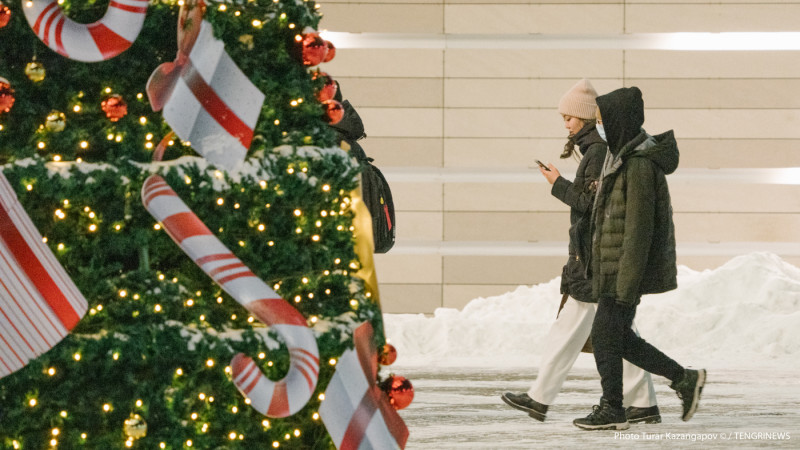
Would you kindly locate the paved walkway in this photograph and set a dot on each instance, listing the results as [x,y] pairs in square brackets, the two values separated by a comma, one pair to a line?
[461,409]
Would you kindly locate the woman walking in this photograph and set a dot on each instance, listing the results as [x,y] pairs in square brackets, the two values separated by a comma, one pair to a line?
[573,324]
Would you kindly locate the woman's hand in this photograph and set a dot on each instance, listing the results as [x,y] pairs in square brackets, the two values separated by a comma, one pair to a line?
[552,174]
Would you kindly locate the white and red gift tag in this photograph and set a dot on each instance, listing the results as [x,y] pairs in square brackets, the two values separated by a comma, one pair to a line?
[207,100]
[356,412]
[39,303]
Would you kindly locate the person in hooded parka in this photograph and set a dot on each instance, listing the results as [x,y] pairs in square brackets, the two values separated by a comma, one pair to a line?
[633,254]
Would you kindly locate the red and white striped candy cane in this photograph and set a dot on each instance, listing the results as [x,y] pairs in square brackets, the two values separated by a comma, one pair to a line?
[271,398]
[98,41]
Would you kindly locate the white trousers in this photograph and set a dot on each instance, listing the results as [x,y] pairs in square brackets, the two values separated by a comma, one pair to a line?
[563,344]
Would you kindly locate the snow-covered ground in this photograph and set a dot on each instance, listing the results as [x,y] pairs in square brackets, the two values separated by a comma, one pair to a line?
[740,321]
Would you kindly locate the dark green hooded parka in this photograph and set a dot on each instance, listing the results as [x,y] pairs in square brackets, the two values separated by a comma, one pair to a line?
[633,246]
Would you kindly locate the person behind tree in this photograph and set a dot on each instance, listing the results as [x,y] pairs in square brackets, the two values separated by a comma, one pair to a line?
[573,323]
[633,253]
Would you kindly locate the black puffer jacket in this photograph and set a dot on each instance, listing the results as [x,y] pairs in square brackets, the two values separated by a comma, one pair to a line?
[579,196]
[633,251]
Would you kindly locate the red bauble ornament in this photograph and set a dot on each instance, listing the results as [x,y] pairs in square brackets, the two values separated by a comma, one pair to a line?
[328,90]
[314,49]
[5,15]
[6,96]
[388,355]
[399,390]
[115,107]
[334,111]
[331,52]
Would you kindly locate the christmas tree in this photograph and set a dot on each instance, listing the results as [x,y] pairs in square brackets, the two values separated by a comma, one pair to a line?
[149,364]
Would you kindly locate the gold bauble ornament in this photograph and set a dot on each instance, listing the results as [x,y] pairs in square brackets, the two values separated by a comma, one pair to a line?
[56,121]
[35,71]
[135,427]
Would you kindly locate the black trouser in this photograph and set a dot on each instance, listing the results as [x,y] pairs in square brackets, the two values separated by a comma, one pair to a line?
[614,340]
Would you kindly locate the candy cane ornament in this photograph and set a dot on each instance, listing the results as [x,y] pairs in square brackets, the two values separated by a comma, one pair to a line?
[272,398]
[98,41]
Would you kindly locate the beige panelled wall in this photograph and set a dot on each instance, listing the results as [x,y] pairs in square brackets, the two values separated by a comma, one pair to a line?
[456,128]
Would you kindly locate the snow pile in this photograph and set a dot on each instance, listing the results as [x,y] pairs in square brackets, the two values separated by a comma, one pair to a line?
[744,314]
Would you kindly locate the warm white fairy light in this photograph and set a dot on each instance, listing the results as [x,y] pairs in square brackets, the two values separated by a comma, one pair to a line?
[210,363]
[315,416]
[157,308]
[157,226]
[29,187]
[143,120]
[123,293]
[194,416]
[76,108]
[118,138]
[60,214]
[110,136]
[76,356]
[107,407]
[332,361]
[51,371]
[220,201]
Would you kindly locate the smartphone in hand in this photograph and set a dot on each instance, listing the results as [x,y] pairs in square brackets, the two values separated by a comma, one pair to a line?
[541,164]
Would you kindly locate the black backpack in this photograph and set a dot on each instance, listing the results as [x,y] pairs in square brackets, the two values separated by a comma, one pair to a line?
[375,190]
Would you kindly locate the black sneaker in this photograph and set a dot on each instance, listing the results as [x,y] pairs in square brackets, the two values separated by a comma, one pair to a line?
[524,403]
[603,417]
[643,415]
[689,389]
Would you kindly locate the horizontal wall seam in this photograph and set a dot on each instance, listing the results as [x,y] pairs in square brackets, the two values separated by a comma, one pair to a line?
[555,248]
[679,41]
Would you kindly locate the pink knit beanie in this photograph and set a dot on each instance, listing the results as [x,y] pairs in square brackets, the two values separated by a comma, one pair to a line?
[579,101]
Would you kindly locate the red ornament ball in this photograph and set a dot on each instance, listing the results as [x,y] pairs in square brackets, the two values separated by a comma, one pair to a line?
[5,15]
[331,52]
[314,49]
[115,107]
[328,90]
[399,390]
[388,355]
[6,96]
[334,111]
